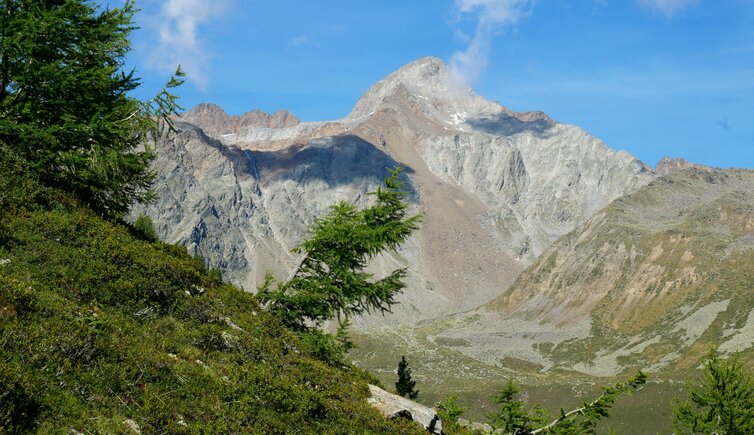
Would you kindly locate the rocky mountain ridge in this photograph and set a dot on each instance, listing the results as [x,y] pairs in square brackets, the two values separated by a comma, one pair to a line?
[497,187]
[213,120]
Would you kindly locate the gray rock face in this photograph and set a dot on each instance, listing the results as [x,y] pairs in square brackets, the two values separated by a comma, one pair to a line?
[496,187]
[394,406]
[536,186]
[244,211]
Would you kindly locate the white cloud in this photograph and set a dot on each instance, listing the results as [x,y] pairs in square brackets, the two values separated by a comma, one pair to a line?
[667,7]
[490,15]
[299,41]
[179,41]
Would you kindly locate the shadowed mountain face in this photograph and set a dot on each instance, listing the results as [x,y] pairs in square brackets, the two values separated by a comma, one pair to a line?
[649,282]
[496,187]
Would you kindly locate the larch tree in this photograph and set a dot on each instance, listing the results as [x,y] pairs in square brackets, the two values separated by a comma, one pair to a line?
[65,100]
[721,402]
[330,282]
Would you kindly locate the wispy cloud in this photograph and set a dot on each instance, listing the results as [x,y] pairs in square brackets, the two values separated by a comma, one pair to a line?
[490,16]
[299,41]
[667,7]
[179,40]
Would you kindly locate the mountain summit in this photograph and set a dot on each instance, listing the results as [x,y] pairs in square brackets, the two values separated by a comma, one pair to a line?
[497,187]
[428,79]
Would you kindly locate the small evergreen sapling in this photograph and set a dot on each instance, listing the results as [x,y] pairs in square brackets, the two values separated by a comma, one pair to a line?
[722,403]
[449,410]
[405,386]
[511,415]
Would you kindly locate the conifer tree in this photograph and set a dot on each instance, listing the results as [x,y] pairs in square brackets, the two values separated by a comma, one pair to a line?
[330,281]
[722,403]
[65,104]
[405,386]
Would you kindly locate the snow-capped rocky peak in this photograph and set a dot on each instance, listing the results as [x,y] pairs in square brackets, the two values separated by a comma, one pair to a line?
[430,82]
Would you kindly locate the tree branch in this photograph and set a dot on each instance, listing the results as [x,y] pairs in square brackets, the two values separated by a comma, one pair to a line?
[568,414]
[298,268]
[300,265]
[610,394]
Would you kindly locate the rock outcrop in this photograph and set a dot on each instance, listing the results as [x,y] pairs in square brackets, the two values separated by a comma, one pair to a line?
[668,165]
[496,187]
[394,406]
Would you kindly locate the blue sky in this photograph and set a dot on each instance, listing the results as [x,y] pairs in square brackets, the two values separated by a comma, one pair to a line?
[653,77]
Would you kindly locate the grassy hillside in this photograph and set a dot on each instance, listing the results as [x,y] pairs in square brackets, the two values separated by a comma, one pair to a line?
[101,329]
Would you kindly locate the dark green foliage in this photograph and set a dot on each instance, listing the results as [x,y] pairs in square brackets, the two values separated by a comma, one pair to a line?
[17,187]
[722,402]
[215,274]
[144,227]
[331,282]
[17,409]
[97,326]
[64,103]
[449,410]
[330,348]
[405,386]
[513,417]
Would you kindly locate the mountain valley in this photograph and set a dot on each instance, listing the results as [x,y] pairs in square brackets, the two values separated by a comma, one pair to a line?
[544,255]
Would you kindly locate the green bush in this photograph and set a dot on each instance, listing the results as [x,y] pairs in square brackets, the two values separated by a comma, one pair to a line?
[144,227]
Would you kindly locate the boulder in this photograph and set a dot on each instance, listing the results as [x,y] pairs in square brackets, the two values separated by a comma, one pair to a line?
[394,406]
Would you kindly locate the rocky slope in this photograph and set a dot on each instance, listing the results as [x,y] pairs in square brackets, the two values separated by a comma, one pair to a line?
[649,282]
[497,187]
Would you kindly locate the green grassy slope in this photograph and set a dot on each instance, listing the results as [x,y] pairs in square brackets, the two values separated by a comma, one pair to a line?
[98,326]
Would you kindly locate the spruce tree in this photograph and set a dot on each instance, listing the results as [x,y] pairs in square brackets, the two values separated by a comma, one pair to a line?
[65,104]
[405,386]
